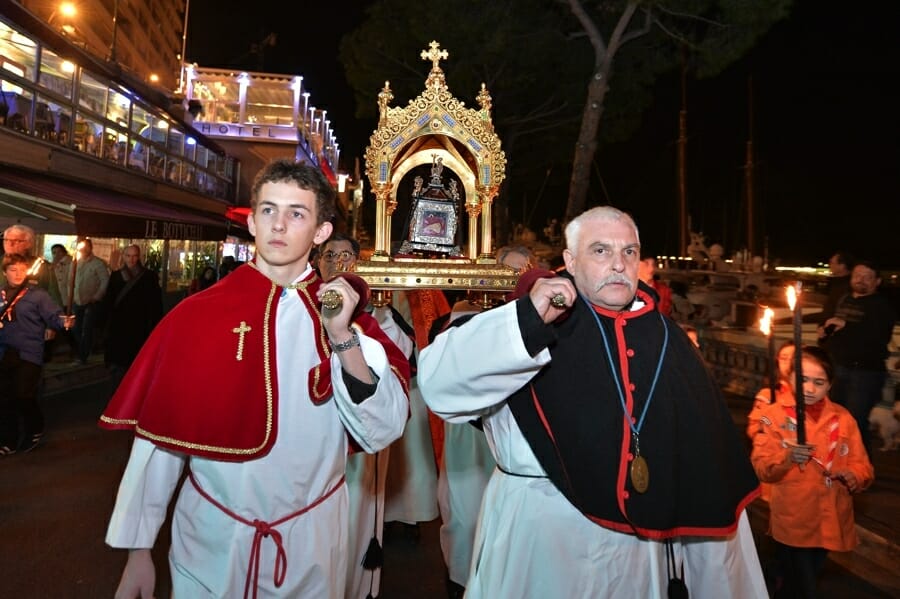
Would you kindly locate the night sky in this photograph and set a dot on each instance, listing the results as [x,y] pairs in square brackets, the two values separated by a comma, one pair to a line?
[827,130]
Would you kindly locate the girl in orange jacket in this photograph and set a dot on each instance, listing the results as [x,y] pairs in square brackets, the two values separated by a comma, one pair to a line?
[783,392]
[811,507]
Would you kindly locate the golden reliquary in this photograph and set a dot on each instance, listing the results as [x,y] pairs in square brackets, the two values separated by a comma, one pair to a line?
[437,166]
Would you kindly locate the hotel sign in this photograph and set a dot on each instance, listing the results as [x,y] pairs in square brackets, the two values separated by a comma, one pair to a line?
[244,131]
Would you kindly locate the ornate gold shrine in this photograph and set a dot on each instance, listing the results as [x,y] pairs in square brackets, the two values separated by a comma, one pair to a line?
[436,128]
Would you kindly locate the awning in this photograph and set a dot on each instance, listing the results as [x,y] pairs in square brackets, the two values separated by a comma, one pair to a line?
[238,214]
[96,212]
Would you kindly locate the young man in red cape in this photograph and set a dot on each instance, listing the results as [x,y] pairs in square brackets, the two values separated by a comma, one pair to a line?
[260,395]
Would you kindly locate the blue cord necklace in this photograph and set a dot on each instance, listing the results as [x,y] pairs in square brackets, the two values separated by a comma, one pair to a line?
[639,471]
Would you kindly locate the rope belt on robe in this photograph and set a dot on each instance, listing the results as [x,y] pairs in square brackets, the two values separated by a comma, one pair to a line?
[264,529]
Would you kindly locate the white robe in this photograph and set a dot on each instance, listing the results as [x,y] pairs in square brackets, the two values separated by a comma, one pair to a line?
[462,477]
[210,550]
[411,492]
[464,474]
[530,541]
[365,486]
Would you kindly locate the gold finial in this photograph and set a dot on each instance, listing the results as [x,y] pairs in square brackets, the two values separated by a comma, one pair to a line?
[434,55]
[384,98]
[484,100]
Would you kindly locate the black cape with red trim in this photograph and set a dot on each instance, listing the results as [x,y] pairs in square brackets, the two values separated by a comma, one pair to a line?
[571,415]
[187,391]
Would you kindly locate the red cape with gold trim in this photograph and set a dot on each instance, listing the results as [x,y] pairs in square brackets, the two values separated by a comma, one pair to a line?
[196,389]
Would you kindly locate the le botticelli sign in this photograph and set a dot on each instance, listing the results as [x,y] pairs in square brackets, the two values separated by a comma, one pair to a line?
[104,224]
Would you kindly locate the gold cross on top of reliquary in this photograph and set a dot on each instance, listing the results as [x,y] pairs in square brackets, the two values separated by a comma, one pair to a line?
[434,55]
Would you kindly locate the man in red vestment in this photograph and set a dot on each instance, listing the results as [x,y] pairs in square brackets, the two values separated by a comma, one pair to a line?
[647,273]
[257,392]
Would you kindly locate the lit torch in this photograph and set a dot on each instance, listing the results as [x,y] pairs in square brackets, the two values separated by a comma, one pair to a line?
[35,267]
[793,298]
[766,326]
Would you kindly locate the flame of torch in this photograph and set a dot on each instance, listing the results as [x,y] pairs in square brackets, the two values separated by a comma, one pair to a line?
[765,323]
[791,297]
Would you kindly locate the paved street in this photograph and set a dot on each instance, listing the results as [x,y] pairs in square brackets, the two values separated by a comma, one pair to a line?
[55,502]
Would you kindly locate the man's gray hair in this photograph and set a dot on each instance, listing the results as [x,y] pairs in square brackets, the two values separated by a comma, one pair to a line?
[601,213]
[28,231]
[506,250]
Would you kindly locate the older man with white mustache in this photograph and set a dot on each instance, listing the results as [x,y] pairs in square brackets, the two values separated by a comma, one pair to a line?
[619,470]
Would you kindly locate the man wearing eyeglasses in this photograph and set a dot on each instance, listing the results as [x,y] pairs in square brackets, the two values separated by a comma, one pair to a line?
[366,473]
[409,494]
[19,239]
[341,255]
[406,491]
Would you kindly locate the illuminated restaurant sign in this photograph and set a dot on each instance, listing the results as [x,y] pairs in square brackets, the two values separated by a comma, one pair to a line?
[194,227]
[160,229]
[260,132]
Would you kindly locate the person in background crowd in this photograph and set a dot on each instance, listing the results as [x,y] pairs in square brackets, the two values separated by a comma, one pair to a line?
[811,503]
[682,308]
[91,280]
[229,263]
[26,311]
[647,274]
[206,279]
[784,367]
[784,393]
[517,257]
[133,306]
[841,265]
[411,487]
[315,256]
[62,270]
[366,473]
[258,394]
[20,239]
[692,333]
[613,443]
[857,338]
[467,463]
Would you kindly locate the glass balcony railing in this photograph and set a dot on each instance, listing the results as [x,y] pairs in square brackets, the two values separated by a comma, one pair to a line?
[47,97]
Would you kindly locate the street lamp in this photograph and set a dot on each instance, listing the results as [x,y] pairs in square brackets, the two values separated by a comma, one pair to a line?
[66,11]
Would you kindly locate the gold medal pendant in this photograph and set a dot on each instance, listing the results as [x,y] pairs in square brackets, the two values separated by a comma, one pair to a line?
[640,474]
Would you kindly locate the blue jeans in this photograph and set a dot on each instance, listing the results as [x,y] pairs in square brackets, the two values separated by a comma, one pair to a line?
[859,391]
[83,331]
